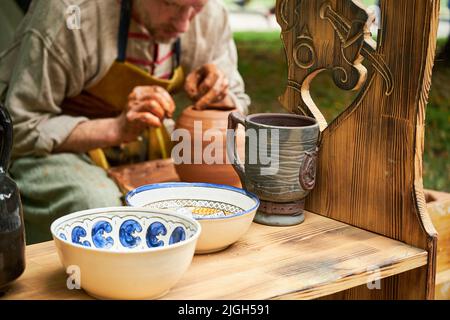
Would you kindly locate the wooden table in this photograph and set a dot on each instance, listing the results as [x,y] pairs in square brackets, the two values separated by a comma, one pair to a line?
[312,260]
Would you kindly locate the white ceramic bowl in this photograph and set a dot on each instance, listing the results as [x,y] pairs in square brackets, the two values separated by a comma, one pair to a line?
[126,253]
[225,213]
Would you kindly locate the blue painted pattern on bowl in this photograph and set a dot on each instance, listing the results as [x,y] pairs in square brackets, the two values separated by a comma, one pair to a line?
[225,213]
[125,231]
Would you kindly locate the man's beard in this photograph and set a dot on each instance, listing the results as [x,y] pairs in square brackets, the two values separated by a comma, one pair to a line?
[155,32]
[158,38]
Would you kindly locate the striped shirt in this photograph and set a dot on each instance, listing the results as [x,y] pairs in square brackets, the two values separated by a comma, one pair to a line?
[155,58]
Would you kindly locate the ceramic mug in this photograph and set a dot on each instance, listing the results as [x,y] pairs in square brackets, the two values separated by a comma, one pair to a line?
[280,163]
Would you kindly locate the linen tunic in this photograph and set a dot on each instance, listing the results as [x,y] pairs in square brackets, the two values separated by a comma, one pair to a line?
[48,62]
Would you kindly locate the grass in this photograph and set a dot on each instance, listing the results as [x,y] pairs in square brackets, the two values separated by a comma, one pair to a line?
[262,65]
[437,134]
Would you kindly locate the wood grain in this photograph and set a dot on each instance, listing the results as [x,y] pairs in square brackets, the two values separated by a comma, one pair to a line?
[387,288]
[438,204]
[370,163]
[315,259]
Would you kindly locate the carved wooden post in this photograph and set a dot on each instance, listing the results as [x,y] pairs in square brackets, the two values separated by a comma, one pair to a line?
[370,166]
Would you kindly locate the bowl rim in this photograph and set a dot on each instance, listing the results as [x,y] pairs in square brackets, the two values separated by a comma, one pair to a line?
[167,185]
[99,211]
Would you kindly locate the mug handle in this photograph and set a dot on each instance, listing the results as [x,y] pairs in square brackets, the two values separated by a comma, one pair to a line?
[234,119]
[7,138]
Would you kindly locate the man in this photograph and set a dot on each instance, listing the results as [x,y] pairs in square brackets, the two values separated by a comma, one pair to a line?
[56,80]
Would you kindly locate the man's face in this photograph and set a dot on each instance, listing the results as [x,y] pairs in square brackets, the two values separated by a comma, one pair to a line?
[167,19]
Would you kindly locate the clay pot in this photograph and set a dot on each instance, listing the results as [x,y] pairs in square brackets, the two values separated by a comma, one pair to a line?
[207,161]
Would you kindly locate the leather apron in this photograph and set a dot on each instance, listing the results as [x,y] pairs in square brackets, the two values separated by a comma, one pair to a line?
[109,97]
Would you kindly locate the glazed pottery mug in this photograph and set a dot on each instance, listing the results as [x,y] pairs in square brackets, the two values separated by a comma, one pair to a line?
[280,163]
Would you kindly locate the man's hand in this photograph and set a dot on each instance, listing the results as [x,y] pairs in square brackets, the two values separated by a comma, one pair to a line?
[147,106]
[208,87]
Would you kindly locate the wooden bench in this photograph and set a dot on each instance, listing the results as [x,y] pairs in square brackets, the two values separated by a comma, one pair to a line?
[367,233]
[370,161]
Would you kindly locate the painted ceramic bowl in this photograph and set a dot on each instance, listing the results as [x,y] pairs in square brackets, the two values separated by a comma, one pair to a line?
[126,253]
[225,213]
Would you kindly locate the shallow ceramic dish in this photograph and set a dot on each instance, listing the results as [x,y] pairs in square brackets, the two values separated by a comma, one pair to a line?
[126,253]
[225,213]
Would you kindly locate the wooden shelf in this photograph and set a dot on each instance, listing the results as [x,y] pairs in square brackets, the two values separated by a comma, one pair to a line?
[315,259]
